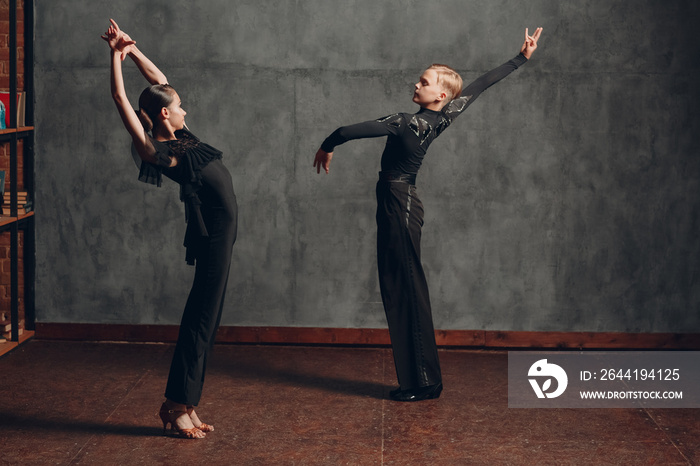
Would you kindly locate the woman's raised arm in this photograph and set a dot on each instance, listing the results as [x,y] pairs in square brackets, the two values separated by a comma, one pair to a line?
[120,46]
[148,69]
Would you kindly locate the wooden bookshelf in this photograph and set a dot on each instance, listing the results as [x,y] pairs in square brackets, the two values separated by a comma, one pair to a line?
[10,345]
[17,240]
[20,130]
[6,220]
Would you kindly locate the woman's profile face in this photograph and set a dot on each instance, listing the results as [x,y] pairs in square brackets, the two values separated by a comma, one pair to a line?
[176,114]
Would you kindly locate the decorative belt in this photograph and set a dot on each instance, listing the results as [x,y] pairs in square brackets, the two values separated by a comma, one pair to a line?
[398,177]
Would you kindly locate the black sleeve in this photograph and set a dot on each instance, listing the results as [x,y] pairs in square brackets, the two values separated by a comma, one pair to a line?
[389,125]
[153,173]
[483,82]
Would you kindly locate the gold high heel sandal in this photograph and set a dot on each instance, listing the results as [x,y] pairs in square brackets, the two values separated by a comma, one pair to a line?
[168,416]
[202,426]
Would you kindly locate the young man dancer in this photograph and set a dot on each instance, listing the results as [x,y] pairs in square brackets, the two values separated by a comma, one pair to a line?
[400,213]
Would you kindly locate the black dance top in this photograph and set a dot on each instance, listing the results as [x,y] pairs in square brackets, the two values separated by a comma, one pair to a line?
[409,135]
[192,156]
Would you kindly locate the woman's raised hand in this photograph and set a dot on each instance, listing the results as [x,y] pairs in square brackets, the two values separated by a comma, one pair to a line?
[530,43]
[118,40]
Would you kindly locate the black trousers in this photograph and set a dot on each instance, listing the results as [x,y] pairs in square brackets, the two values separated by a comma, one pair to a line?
[202,314]
[403,285]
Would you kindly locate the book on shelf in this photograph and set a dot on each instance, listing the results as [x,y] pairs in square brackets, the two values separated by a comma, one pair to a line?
[24,204]
[21,209]
[22,196]
[6,328]
[20,109]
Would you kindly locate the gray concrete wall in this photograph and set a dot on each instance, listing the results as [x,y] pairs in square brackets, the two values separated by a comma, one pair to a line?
[566,199]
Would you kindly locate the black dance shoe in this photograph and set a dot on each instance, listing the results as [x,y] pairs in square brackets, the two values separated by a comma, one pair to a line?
[417,394]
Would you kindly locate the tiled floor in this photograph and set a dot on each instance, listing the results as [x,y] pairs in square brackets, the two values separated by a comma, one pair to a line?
[96,403]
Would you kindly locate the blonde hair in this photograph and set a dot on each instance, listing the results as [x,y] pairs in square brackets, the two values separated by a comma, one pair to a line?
[449,79]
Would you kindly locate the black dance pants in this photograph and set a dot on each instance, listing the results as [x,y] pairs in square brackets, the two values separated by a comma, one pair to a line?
[202,314]
[403,285]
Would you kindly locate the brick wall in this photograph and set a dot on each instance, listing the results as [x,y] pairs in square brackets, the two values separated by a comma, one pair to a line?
[5,165]
[5,44]
[5,294]
[5,81]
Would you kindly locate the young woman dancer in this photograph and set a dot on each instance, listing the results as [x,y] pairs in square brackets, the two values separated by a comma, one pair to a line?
[211,211]
[400,213]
